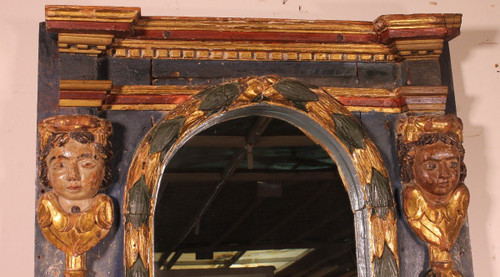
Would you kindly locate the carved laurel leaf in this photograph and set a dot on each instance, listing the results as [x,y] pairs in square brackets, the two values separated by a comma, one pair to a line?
[165,134]
[138,205]
[138,269]
[349,131]
[218,97]
[379,194]
[295,91]
[386,265]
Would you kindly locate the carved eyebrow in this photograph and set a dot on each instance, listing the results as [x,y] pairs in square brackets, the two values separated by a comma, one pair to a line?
[452,158]
[57,157]
[86,155]
[431,158]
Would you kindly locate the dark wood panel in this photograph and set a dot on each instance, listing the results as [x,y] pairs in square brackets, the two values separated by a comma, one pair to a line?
[233,69]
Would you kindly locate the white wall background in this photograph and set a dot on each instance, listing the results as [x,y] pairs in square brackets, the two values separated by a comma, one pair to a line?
[476,66]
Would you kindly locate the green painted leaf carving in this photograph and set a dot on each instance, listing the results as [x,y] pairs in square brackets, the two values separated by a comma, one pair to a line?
[301,106]
[138,203]
[349,131]
[138,269]
[295,91]
[386,265]
[218,97]
[379,194]
[165,134]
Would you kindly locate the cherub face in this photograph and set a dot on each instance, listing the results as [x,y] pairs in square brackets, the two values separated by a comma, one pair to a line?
[437,168]
[75,170]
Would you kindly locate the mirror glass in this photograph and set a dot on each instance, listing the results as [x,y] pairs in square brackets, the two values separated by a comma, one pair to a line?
[253,196]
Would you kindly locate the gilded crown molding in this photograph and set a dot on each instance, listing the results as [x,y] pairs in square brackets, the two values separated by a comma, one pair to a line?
[388,38]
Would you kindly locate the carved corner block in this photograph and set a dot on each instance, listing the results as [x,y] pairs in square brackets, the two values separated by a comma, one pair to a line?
[435,199]
[75,155]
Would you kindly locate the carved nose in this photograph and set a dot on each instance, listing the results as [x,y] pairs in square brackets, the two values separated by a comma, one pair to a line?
[443,171]
[73,172]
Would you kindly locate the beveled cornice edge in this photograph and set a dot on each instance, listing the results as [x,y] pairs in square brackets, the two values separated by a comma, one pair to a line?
[417,36]
[118,21]
[92,13]
[415,26]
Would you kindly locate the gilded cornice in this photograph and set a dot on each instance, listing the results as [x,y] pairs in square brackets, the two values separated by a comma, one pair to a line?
[388,38]
[254,25]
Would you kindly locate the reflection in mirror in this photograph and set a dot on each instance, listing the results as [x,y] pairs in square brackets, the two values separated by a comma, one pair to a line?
[253,197]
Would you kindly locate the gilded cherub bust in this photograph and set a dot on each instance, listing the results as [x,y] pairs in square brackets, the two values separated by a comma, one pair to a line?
[75,155]
[435,199]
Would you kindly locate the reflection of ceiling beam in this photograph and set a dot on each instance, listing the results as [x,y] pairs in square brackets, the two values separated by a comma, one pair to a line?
[173,260]
[240,141]
[252,137]
[315,260]
[288,176]
[326,220]
[320,192]
[262,161]
[281,223]
[264,190]
[351,273]
[264,246]
[324,271]
[321,262]
[260,271]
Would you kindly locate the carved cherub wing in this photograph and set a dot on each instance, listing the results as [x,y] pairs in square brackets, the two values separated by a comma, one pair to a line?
[44,215]
[104,214]
[412,204]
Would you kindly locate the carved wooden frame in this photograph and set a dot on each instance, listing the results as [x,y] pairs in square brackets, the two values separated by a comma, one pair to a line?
[323,113]
[316,113]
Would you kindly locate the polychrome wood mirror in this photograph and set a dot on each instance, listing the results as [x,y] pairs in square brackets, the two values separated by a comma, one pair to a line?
[176,146]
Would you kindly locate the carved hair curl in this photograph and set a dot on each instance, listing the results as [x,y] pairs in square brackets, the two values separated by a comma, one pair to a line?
[60,139]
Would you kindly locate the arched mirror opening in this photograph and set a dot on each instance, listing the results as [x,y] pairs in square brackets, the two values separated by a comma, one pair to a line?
[253,196]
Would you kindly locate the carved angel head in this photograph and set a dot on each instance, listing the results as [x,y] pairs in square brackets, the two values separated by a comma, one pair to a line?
[75,155]
[433,156]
